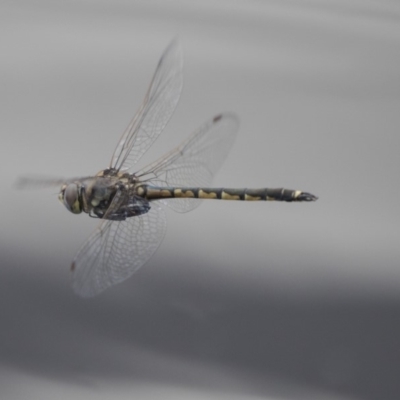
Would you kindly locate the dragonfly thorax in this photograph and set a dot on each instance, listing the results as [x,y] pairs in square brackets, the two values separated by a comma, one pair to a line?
[71,196]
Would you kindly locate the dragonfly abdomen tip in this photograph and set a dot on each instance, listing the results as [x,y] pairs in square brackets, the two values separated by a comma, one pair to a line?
[304,196]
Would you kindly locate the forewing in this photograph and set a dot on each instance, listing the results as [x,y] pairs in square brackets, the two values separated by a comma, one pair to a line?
[156,110]
[195,162]
[43,182]
[116,250]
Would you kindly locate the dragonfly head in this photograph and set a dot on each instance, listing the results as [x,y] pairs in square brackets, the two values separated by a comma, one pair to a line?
[71,196]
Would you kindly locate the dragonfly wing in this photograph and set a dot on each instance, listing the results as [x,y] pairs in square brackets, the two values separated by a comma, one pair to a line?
[117,249]
[195,162]
[43,182]
[156,110]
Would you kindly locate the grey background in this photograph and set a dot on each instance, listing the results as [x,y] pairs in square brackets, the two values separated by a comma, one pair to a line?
[241,300]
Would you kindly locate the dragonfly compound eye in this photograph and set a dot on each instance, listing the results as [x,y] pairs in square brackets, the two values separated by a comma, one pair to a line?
[71,198]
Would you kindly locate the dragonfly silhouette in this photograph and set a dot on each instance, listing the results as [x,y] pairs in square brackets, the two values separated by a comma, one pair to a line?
[129,205]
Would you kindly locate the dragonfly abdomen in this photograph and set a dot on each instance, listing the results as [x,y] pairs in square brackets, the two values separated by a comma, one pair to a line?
[265,194]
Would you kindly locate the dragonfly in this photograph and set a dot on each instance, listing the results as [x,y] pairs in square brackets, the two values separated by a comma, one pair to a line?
[130,205]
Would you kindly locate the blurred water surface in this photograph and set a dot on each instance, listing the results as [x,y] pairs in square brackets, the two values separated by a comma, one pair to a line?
[241,300]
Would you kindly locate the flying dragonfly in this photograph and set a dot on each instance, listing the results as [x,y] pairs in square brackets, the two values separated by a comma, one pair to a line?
[129,204]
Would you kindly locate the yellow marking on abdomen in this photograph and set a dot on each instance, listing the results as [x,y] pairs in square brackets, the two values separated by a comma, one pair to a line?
[297,193]
[180,193]
[247,197]
[153,193]
[227,196]
[140,191]
[205,195]
[165,193]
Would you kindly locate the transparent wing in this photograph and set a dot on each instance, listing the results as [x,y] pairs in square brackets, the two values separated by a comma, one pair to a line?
[156,110]
[195,162]
[117,249]
[42,182]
